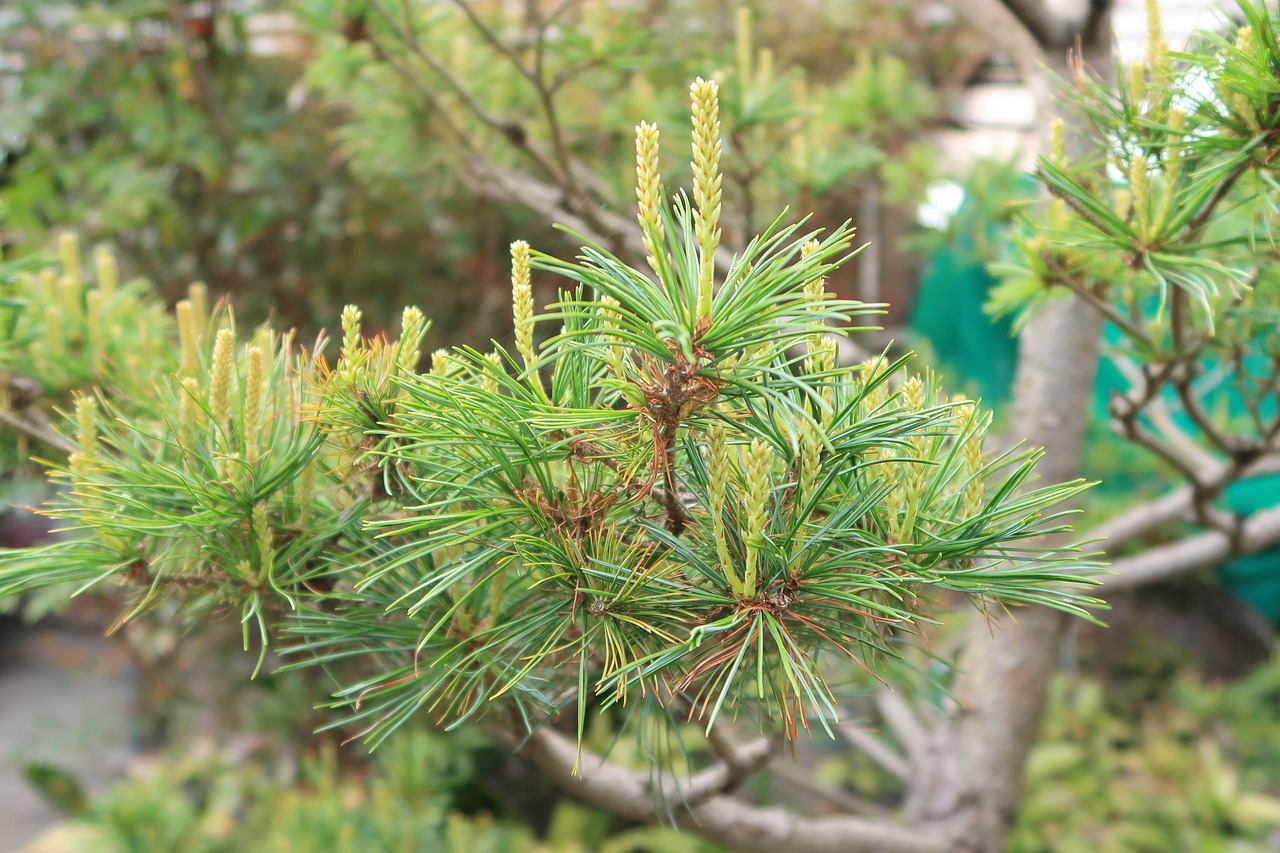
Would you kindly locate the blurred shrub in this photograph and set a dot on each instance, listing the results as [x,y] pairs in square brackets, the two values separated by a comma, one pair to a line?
[1158,767]
[297,154]
[408,800]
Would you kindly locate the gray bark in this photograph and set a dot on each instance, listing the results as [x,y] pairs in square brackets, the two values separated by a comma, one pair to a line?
[977,764]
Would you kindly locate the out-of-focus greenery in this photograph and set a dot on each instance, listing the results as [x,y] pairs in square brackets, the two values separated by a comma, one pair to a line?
[287,152]
[1154,764]
[412,798]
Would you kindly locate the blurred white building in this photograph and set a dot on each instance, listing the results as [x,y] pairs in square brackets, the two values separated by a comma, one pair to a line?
[995,118]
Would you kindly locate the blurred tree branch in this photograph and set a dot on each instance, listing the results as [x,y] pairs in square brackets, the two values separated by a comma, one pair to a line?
[721,818]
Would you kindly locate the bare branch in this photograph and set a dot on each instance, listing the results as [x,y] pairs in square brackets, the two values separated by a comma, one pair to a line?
[1144,519]
[35,431]
[1202,551]
[1009,31]
[899,716]
[722,819]
[1033,15]
[803,780]
[878,751]
[535,77]
[1161,418]
[720,777]
[741,761]
[202,78]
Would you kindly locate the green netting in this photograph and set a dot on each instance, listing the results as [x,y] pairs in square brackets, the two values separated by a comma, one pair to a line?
[978,355]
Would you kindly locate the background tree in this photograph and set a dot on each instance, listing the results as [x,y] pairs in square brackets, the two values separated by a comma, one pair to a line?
[1175,277]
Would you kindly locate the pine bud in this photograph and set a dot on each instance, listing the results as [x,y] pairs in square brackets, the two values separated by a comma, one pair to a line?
[69,298]
[913,394]
[1059,214]
[1123,203]
[86,426]
[69,254]
[718,468]
[413,327]
[810,461]
[522,301]
[974,488]
[254,390]
[744,49]
[1173,152]
[874,398]
[1139,186]
[758,462]
[48,287]
[1155,33]
[1243,107]
[351,317]
[915,475]
[649,191]
[609,321]
[1137,84]
[1057,145]
[189,361]
[105,271]
[822,362]
[190,413]
[55,341]
[440,363]
[706,184]
[306,491]
[265,542]
[814,289]
[490,381]
[220,377]
[198,293]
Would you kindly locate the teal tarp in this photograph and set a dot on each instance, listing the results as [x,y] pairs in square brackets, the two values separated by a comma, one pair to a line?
[979,355]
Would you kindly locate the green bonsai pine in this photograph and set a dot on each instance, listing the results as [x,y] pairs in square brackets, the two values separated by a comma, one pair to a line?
[669,498]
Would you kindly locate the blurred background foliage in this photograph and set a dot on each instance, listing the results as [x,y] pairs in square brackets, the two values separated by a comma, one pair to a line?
[301,154]
[296,154]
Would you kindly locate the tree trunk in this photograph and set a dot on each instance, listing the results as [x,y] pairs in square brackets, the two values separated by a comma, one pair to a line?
[1009,660]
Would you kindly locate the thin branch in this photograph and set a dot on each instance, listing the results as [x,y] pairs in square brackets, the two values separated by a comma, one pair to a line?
[905,723]
[1162,420]
[1197,223]
[1202,551]
[1137,434]
[1191,405]
[1012,33]
[724,820]
[202,77]
[427,94]
[878,751]
[1144,519]
[35,432]
[802,780]
[545,99]
[741,761]
[510,130]
[509,186]
[1033,15]
[1103,307]
[721,777]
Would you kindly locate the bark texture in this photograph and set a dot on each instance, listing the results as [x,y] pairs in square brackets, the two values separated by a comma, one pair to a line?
[1009,661]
